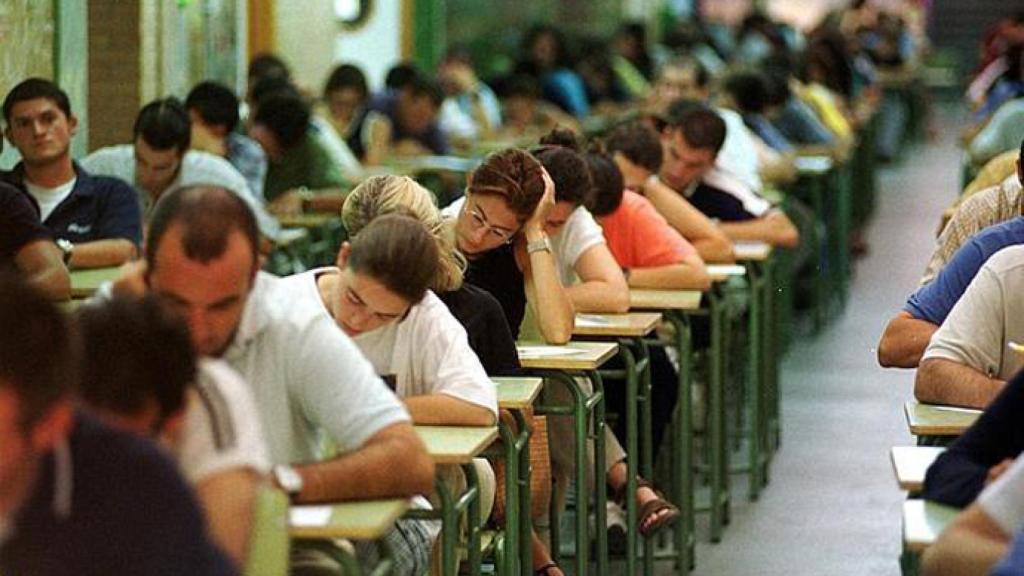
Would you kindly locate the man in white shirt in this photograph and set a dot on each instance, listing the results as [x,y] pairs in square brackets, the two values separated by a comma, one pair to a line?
[95,220]
[159,160]
[308,378]
[967,361]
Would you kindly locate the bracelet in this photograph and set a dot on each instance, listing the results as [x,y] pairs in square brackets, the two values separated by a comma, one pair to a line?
[539,245]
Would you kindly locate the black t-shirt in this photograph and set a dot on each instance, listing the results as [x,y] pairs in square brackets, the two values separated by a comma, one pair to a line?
[484,321]
[719,204]
[19,224]
[498,274]
[129,512]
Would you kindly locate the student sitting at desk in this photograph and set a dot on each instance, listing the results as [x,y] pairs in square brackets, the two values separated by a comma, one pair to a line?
[968,362]
[637,152]
[76,496]
[908,333]
[159,160]
[652,255]
[94,219]
[379,296]
[310,381]
[302,172]
[477,311]
[402,123]
[139,374]
[691,142]
[501,227]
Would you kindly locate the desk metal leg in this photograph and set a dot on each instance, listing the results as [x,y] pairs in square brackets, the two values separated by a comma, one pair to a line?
[510,440]
[716,419]
[473,520]
[756,384]
[581,408]
[682,469]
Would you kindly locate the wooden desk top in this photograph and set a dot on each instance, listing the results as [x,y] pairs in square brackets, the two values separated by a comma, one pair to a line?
[629,325]
[366,520]
[722,272]
[571,356]
[910,463]
[456,444]
[931,420]
[923,521]
[664,299]
[84,283]
[752,250]
[517,393]
[433,163]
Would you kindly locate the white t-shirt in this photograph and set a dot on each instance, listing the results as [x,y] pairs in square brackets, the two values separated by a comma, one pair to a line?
[1003,499]
[308,377]
[50,198]
[196,168]
[738,156]
[579,234]
[222,426]
[427,352]
[986,318]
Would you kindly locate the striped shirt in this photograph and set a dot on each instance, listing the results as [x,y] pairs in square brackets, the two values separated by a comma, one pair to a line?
[983,209]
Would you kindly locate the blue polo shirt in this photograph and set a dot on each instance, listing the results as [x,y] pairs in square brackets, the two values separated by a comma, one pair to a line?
[98,208]
[107,502]
[934,300]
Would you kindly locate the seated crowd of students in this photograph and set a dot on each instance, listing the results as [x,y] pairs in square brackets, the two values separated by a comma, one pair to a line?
[312,383]
[960,328]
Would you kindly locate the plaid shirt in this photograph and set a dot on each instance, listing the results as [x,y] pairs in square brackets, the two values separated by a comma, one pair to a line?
[246,155]
[981,210]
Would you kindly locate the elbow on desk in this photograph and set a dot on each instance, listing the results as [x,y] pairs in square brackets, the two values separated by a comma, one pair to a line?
[927,386]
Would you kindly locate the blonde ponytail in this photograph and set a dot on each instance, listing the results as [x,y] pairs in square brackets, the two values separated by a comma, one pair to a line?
[379,195]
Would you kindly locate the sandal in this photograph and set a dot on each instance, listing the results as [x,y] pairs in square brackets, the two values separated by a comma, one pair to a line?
[651,509]
[545,570]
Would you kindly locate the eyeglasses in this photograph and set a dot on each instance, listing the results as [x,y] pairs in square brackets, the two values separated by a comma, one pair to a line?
[479,221]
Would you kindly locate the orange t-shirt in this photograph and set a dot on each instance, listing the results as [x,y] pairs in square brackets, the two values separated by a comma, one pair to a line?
[639,237]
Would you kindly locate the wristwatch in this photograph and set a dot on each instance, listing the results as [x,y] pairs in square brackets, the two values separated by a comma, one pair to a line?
[288,479]
[66,248]
[539,245]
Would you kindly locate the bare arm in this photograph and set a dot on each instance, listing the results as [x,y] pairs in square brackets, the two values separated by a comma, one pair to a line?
[551,303]
[904,341]
[101,253]
[369,472]
[43,266]
[445,410]
[379,143]
[687,275]
[774,228]
[228,499]
[602,288]
[942,381]
[972,544]
[710,241]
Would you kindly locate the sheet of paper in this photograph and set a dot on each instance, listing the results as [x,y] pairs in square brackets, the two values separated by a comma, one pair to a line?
[309,516]
[592,320]
[958,409]
[546,351]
